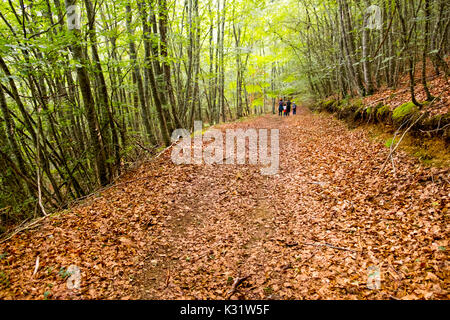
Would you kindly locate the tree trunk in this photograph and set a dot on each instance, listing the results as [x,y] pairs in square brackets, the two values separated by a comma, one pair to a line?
[88,100]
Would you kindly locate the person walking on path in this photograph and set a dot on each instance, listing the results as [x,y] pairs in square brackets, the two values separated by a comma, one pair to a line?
[280,107]
[288,107]
[294,108]
[284,109]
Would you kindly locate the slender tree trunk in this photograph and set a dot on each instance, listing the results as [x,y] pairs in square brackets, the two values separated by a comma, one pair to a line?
[166,64]
[102,88]
[88,100]
[425,49]
[151,75]
[366,56]
[145,115]
[409,53]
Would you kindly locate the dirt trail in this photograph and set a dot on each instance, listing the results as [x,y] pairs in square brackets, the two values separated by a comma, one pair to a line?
[310,232]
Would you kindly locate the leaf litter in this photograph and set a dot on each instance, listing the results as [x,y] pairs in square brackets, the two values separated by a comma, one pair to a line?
[313,231]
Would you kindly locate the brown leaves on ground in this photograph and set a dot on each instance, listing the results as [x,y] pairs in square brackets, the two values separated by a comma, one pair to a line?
[225,231]
[438,86]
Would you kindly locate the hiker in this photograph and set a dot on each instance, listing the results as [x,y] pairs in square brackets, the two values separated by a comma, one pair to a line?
[288,107]
[294,108]
[284,109]
[280,107]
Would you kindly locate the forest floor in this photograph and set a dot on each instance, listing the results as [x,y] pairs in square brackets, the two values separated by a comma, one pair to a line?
[316,230]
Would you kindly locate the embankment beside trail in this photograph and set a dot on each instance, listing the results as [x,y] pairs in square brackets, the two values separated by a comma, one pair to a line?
[428,134]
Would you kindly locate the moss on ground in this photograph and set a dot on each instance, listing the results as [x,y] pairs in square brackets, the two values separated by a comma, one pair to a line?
[429,151]
[406,109]
[383,110]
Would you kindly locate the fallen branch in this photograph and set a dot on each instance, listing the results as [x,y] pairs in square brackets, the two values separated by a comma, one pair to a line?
[435,130]
[25,227]
[157,156]
[114,184]
[236,283]
[145,148]
[330,246]
[393,149]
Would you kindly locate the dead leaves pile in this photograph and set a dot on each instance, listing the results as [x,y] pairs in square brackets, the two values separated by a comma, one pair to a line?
[193,232]
[438,86]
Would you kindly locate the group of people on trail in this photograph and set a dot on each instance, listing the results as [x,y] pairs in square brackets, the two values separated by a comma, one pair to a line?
[284,108]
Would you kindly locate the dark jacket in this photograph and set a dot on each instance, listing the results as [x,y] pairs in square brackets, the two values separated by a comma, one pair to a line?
[280,106]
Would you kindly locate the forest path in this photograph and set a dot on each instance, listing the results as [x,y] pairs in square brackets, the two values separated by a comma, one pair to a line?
[312,231]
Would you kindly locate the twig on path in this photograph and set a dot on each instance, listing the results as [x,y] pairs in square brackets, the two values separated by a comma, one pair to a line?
[320,183]
[293,244]
[329,245]
[393,166]
[391,151]
[236,283]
